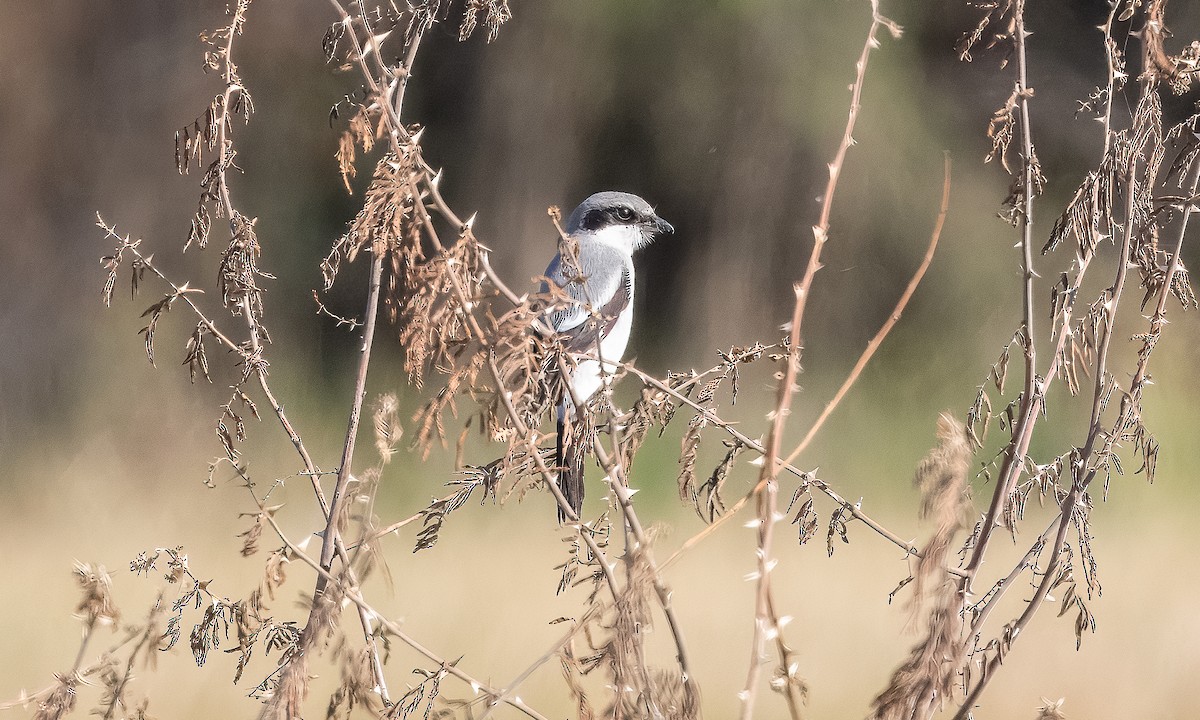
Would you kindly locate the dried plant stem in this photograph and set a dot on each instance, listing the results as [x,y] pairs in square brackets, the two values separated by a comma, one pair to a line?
[88,630]
[1039,596]
[765,621]
[231,86]
[118,691]
[821,229]
[625,499]
[360,390]
[331,542]
[1160,309]
[877,341]
[260,372]
[1109,43]
[390,529]
[853,509]
[1031,397]
[531,437]
[253,358]
[353,595]
[545,657]
[767,489]
[1080,481]
[909,548]
[391,96]
[180,291]
[78,671]
[1003,585]
[397,131]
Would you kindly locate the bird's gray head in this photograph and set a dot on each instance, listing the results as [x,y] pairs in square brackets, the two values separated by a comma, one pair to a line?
[622,215]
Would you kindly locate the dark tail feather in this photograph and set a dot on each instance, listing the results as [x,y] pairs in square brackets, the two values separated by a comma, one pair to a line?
[570,471]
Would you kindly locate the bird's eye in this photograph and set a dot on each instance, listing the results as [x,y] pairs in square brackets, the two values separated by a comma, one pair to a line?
[624,213]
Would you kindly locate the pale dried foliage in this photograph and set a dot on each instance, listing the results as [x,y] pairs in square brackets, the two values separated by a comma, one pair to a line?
[1051,710]
[927,677]
[96,604]
[484,362]
[942,478]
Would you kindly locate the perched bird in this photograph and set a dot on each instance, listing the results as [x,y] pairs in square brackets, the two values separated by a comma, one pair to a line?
[608,227]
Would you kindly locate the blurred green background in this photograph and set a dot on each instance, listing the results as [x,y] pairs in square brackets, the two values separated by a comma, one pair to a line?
[723,114]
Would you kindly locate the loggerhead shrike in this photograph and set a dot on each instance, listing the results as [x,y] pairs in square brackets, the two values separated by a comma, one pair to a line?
[608,226]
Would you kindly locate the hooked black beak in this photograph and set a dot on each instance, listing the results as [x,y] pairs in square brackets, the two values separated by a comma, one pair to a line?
[662,226]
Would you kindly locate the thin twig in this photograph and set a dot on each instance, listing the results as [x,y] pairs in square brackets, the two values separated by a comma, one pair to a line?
[352,594]
[910,549]
[765,622]
[897,311]
[1007,582]
[767,489]
[360,391]
[1031,397]
[554,649]
[1080,482]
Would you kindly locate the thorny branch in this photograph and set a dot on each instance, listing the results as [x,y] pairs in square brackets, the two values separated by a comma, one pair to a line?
[514,417]
[893,318]
[1130,161]
[351,593]
[766,622]
[1032,395]
[1131,158]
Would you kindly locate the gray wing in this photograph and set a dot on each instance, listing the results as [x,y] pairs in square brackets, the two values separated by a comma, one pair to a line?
[566,318]
[607,282]
[584,337]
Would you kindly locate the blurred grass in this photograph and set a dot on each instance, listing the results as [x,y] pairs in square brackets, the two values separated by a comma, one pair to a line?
[485,591]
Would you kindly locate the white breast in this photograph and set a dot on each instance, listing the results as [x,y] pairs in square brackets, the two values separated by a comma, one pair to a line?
[587,378]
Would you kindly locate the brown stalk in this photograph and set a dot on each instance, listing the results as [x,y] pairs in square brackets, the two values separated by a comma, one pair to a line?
[877,341]
[352,594]
[360,390]
[851,508]
[1159,318]
[231,86]
[332,542]
[767,489]
[434,194]
[1080,482]
[765,621]
[1026,562]
[1031,397]
[855,510]
[1062,330]
[1023,433]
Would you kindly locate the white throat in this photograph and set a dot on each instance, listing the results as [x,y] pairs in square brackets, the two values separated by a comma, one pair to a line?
[624,238]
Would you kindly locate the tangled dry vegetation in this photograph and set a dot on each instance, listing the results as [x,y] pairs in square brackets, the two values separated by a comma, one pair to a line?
[484,362]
